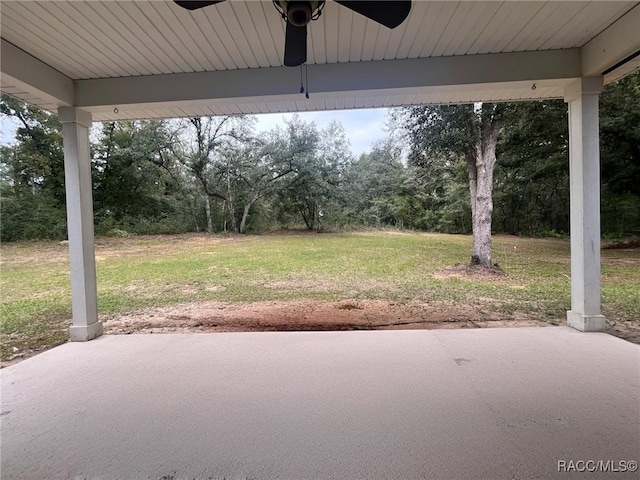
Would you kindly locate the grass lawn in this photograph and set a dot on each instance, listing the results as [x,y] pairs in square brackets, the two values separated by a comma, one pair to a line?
[143,272]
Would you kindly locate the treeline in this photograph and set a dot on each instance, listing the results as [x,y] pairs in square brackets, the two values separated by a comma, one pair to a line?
[220,175]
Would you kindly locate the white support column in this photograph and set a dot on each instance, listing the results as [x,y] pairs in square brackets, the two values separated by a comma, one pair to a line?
[77,168]
[584,171]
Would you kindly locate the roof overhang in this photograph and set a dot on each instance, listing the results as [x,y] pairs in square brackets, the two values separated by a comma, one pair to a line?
[384,83]
[508,76]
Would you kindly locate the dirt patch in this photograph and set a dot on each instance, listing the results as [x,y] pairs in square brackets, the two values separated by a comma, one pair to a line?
[308,315]
[471,272]
[629,331]
[629,243]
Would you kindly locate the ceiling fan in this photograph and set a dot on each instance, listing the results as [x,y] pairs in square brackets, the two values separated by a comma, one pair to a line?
[298,14]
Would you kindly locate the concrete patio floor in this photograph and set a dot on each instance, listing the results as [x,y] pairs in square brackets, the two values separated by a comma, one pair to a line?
[439,404]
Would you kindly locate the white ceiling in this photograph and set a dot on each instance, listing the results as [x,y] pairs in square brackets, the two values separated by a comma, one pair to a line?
[118,39]
[143,57]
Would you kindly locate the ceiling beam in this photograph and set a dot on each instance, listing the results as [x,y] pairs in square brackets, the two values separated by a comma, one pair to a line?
[22,72]
[281,83]
[618,42]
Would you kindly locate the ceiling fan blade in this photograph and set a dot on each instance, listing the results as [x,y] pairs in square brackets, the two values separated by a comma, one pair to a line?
[295,45]
[388,13]
[194,5]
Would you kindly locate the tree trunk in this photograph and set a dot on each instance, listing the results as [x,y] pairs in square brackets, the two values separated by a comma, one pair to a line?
[232,215]
[207,208]
[483,209]
[194,214]
[245,213]
[306,211]
[473,183]
[481,166]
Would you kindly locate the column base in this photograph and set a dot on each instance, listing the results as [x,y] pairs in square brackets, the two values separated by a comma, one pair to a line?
[85,333]
[586,323]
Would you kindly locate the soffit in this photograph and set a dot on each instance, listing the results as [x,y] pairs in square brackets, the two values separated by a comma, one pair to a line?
[117,39]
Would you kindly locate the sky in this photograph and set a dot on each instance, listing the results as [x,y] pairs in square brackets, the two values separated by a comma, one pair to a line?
[363,127]
[7,130]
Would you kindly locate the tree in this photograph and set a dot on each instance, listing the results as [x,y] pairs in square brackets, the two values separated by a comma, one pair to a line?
[462,132]
[375,189]
[620,134]
[255,169]
[319,158]
[124,179]
[334,157]
[135,178]
[532,184]
[442,193]
[620,155]
[39,160]
[305,193]
[176,176]
[203,139]
[33,195]
[532,178]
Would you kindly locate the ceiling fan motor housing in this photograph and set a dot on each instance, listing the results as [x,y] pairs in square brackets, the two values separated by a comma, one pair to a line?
[300,13]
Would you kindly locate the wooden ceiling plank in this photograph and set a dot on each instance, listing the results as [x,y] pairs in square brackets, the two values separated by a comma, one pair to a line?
[226,15]
[590,21]
[425,37]
[109,36]
[36,46]
[43,38]
[413,28]
[443,20]
[461,20]
[507,32]
[87,42]
[138,38]
[556,20]
[216,17]
[476,23]
[396,39]
[167,30]
[273,38]
[119,33]
[345,24]
[254,28]
[369,40]
[221,57]
[191,36]
[485,41]
[544,16]
[317,42]
[356,41]
[331,23]
[147,33]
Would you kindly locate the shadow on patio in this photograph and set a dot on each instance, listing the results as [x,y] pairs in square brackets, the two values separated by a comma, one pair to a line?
[438,404]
